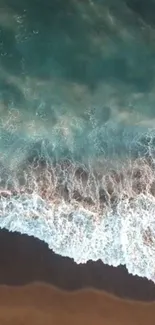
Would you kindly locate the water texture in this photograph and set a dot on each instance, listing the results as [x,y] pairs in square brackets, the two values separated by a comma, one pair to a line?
[77,128]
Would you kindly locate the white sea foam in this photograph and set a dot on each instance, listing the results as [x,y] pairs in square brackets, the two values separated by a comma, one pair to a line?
[104,209]
[126,236]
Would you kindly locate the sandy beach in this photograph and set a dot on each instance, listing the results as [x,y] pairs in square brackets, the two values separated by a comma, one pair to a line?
[42,304]
[40,287]
[25,259]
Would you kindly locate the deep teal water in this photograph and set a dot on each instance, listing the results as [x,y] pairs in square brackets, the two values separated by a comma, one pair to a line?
[83,69]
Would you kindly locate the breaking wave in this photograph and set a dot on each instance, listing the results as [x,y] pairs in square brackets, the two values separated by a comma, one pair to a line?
[89,209]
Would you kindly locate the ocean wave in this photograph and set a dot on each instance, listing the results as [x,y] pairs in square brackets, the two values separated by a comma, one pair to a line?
[86,213]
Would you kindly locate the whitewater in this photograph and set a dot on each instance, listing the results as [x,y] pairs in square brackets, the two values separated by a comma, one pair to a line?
[101,206]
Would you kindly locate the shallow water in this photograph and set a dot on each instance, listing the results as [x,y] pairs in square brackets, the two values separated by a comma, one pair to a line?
[77,127]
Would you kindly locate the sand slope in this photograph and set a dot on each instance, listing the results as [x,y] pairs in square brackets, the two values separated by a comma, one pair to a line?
[41,304]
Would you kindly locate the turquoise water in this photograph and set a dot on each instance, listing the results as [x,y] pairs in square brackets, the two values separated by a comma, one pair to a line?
[80,76]
[77,127]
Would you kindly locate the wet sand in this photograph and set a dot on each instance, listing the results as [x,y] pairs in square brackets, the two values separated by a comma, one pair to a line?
[40,287]
[25,260]
[41,304]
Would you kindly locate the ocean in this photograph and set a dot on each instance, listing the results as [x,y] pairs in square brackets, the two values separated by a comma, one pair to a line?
[77,127]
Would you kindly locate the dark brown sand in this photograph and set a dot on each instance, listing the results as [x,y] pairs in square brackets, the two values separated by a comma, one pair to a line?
[40,287]
[25,260]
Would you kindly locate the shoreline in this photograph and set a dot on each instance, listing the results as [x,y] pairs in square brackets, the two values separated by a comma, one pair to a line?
[25,259]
